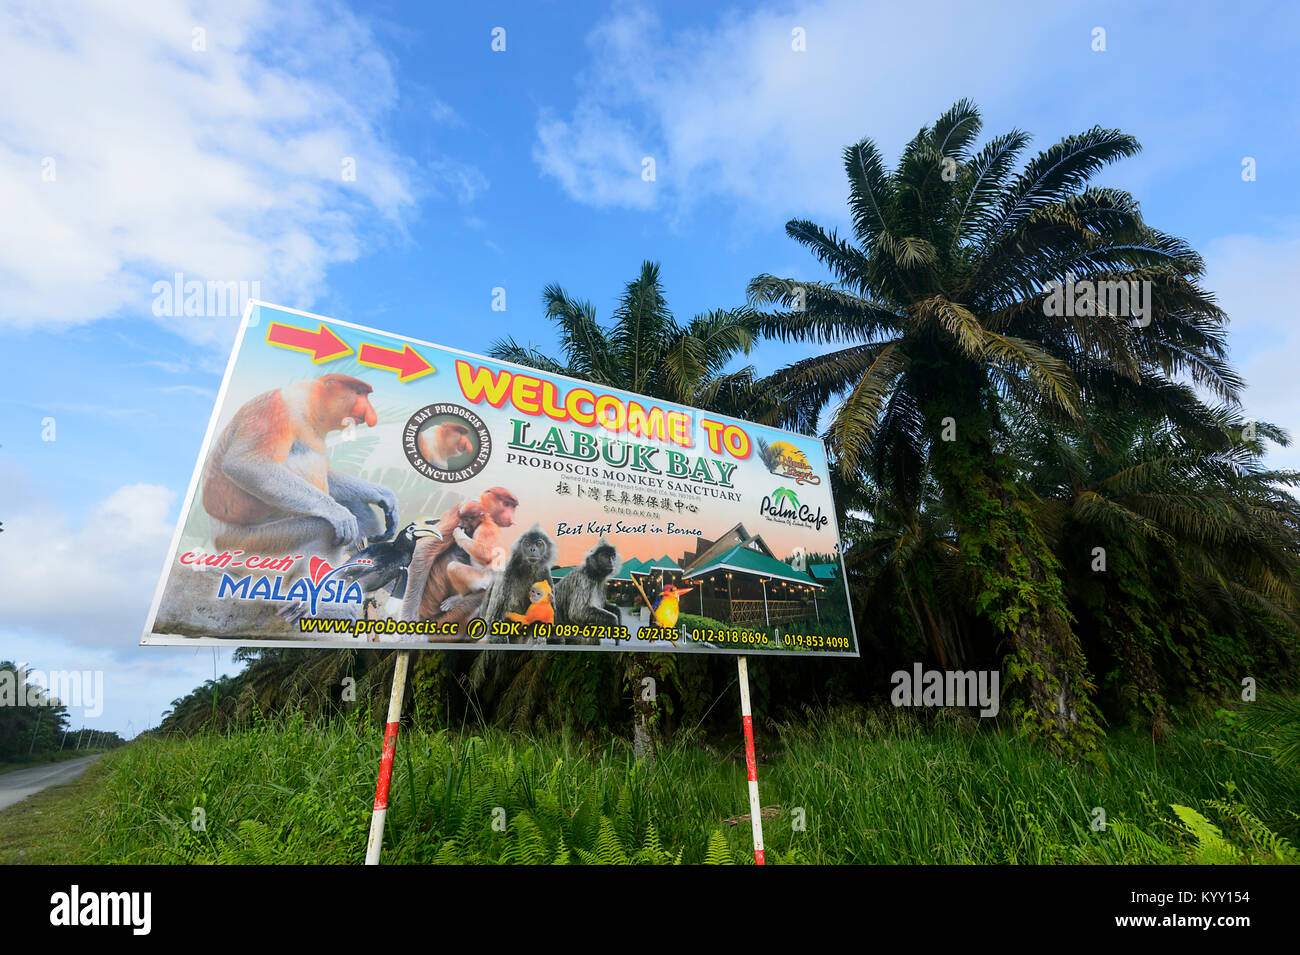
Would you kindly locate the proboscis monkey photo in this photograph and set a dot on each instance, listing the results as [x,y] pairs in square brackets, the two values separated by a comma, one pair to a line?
[442,442]
[477,537]
[268,486]
[429,580]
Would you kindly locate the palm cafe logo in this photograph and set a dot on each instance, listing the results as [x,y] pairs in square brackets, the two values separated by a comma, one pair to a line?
[783,506]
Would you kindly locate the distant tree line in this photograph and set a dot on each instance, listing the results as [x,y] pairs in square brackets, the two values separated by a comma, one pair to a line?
[33,724]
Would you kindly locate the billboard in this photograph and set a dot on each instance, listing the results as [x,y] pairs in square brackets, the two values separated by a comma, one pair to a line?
[357,487]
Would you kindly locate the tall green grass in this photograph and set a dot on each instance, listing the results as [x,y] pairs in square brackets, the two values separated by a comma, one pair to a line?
[847,787]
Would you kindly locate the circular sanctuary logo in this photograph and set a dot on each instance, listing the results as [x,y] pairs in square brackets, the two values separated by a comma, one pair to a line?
[446,443]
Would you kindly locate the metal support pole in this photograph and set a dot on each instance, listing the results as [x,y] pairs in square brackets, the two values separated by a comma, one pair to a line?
[376,842]
[751,763]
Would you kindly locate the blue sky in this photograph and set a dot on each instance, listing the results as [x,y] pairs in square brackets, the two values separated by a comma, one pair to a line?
[133,147]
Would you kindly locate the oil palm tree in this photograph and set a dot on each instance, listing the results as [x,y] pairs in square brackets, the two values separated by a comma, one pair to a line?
[937,315]
[1180,548]
[907,562]
[643,349]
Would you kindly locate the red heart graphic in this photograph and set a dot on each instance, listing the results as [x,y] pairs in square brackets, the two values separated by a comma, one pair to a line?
[318,567]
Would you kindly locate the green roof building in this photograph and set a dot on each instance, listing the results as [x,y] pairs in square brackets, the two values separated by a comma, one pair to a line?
[824,571]
[739,580]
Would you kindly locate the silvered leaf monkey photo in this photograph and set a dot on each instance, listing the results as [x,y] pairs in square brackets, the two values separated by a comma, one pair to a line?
[580,594]
[531,558]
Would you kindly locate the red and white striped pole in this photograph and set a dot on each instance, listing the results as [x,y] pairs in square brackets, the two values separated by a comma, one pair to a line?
[376,842]
[751,764]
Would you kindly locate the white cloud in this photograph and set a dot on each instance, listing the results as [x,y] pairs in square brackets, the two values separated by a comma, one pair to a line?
[89,584]
[596,158]
[466,180]
[189,390]
[443,112]
[170,367]
[224,163]
[735,112]
[1253,278]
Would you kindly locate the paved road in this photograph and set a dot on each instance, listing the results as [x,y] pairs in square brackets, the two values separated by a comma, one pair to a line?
[21,783]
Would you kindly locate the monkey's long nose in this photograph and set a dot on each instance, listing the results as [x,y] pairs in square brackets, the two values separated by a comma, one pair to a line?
[372,419]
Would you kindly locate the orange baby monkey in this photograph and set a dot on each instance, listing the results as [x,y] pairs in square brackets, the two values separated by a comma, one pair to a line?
[477,536]
[441,443]
[429,582]
[540,609]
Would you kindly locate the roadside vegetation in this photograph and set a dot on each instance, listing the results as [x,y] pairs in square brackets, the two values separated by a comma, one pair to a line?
[848,786]
[49,828]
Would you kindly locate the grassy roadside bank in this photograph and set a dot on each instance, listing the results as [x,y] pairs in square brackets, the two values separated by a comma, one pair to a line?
[874,787]
[50,827]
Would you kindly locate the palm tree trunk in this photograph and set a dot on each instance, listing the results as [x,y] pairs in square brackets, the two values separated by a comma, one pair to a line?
[1142,672]
[1021,593]
[643,737]
[1130,641]
[1018,588]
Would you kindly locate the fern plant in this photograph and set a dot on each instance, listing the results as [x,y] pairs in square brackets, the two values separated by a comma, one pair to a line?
[719,852]
[1211,848]
[1277,720]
